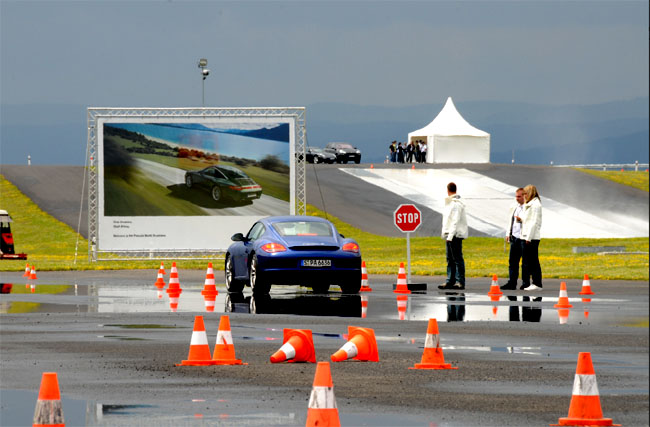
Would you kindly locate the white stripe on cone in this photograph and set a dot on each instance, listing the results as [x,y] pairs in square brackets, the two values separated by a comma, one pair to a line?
[322,398]
[432,341]
[350,348]
[585,385]
[288,351]
[224,337]
[199,338]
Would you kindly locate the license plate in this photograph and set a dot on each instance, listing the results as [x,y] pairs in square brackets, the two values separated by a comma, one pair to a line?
[316,263]
[251,195]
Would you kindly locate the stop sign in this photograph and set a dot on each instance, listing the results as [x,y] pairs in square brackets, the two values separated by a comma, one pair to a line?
[407,218]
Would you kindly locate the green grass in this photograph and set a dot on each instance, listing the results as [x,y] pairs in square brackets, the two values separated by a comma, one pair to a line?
[50,245]
[633,179]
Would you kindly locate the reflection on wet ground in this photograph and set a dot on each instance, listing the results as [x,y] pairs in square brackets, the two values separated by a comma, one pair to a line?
[444,306]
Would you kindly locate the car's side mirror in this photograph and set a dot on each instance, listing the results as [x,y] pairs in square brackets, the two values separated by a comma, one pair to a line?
[238,237]
[342,236]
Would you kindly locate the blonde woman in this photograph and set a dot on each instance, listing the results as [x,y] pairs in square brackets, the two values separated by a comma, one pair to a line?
[531,235]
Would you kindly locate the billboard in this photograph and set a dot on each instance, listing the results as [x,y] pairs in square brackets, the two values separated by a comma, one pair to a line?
[170,183]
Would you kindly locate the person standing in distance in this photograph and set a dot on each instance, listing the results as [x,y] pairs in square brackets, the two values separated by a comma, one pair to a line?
[531,235]
[454,230]
[513,236]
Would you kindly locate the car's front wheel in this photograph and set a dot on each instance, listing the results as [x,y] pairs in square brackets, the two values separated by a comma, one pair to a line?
[216,193]
[188,181]
[259,284]
[232,284]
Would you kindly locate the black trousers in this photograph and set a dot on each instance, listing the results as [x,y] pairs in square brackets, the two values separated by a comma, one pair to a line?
[530,264]
[455,261]
[516,251]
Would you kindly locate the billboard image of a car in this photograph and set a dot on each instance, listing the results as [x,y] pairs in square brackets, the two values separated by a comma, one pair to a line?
[224,182]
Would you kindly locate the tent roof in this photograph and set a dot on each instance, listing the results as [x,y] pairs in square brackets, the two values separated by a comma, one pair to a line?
[449,122]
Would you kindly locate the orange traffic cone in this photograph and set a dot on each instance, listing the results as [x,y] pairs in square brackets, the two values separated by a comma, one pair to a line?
[364,278]
[364,306]
[199,354]
[160,282]
[297,346]
[586,286]
[563,301]
[586,302]
[224,350]
[174,289]
[585,409]
[322,403]
[209,291]
[32,274]
[372,166]
[49,411]
[413,166]
[402,286]
[402,304]
[361,345]
[432,358]
[494,287]
[32,288]
[27,271]
[162,268]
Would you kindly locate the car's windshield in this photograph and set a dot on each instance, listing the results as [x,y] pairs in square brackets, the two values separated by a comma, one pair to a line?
[303,228]
[233,173]
[316,150]
[344,146]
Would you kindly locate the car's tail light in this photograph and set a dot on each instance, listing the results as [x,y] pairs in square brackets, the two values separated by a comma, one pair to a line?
[273,248]
[351,247]
[234,187]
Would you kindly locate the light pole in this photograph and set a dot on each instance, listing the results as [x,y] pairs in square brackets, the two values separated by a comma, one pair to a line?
[204,73]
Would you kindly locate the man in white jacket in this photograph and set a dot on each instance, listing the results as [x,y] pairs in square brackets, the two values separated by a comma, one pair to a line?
[454,230]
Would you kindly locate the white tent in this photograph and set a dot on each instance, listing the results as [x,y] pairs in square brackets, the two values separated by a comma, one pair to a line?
[450,139]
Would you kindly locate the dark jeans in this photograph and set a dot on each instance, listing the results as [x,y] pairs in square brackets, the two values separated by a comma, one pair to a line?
[530,263]
[455,261]
[516,250]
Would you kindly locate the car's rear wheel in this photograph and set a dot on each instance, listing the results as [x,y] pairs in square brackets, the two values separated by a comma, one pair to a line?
[232,284]
[357,160]
[188,181]
[344,161]
[259,284]
[320,288]
[216,193]
[351,287]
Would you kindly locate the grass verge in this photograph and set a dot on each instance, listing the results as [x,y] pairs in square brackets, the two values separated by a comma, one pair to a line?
[633,179]
[50,245]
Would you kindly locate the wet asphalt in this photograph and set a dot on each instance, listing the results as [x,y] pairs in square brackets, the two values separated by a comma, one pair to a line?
[114,345]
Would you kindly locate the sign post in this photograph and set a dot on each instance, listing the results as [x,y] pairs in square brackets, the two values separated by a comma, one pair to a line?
[407,218]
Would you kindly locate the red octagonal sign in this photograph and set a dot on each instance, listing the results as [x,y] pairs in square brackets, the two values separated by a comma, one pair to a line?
[407,218]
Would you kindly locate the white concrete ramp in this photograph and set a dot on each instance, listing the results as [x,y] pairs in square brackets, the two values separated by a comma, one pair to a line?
[488,201]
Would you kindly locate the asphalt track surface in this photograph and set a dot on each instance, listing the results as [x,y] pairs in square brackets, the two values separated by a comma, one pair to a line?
[509,372]
[58,191]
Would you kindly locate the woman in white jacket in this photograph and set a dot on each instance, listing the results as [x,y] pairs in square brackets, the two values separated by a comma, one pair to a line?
[531,235]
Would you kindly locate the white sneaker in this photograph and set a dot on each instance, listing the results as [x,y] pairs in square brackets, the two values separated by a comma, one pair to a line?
[532,288]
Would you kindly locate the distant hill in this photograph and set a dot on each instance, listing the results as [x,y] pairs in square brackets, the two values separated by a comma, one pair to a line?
[614,132]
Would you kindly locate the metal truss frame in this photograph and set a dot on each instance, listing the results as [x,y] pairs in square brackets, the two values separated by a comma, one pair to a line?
[95,114]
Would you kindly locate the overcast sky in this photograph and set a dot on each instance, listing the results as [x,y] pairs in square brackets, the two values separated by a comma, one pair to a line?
[145,53]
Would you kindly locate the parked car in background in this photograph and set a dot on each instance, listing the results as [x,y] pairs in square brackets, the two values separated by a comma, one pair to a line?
[293,250]
[344,152]
[318,155]
[224,182]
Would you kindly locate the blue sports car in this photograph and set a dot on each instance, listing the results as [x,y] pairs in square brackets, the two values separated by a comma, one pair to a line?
[293,250]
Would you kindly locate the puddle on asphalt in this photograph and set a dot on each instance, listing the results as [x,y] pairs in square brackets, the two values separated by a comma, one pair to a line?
[18,406]
[444,306]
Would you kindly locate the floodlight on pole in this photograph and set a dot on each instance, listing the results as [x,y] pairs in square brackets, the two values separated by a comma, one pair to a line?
[204,73]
